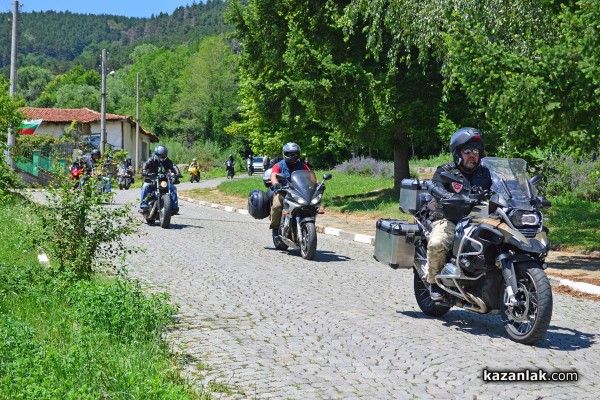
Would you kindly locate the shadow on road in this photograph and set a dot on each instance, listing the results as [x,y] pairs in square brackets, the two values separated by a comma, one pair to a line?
[556,338]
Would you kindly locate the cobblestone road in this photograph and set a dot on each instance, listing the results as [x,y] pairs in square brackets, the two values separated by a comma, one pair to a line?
[342,326]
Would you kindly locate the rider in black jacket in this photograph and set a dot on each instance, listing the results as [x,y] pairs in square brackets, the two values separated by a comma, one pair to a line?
[159,160]
[467,148]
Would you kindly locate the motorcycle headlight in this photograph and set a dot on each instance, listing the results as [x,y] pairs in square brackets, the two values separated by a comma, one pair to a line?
[316,199]
[298,199]
[163,184]
[525,218]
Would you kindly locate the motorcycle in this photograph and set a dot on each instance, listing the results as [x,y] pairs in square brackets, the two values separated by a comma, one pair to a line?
[76,173]
[301,205]
[230,168]
[124,178]
[194,172]
[250,169]
[159,199]
[497,260]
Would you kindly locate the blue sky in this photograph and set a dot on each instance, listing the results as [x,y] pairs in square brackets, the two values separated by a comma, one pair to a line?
[128,8]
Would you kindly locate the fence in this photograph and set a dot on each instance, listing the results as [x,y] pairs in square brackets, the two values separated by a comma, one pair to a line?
[32,166]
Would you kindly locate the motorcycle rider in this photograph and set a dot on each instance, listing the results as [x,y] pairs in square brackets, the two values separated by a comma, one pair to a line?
[467,149]
[291,162]
[194,163]
[151,166]
[230,163]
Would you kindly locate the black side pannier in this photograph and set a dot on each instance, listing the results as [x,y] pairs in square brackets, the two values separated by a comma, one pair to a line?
[258,204]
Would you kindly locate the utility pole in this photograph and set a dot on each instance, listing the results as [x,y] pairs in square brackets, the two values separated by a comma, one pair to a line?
[137,123]
[13,84]
[103,104]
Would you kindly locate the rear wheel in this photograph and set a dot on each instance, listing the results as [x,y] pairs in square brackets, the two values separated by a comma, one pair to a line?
[308,243]
[428,306]
[164,213]
[528,321]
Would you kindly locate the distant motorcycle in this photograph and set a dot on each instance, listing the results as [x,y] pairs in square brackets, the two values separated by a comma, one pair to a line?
[124,178]
[194,172]
[159,199]
[498,257]
[300,208]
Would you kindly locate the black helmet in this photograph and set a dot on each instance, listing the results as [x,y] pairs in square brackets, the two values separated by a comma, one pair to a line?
[128,160]
[160,153]
[466,137]
[258,204]
[95,152]
[291,152]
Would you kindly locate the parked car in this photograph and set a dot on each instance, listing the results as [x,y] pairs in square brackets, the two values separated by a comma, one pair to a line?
[257,163]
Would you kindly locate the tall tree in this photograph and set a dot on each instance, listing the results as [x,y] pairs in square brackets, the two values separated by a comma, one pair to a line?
[208,99]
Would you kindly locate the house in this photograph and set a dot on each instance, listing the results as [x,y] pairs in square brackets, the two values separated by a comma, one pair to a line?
[120,130]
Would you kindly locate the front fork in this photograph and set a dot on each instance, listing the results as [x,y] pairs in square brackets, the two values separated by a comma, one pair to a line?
[508,272]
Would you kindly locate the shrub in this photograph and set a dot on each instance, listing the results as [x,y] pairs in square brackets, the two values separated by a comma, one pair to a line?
[80,232]
[566,176]
[367,166]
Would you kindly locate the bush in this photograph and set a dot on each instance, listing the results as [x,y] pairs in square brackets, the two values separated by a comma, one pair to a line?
[80,232]
[366,166]
[565,176]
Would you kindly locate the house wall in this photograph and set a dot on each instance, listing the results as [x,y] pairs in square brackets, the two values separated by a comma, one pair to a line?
[119,134]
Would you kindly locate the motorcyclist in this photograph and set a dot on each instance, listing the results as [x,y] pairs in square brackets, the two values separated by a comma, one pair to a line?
[159,160]
[230,163]
[291,162]
[92,162]
[193,164]
[467,149]
[126,169]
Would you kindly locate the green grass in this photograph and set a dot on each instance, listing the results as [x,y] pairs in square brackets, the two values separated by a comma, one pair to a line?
[88,339]
[574,223]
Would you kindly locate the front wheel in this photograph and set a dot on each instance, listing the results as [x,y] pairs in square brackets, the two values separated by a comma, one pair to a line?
[308,243]
[277,242]
[428,306]
[528,320]
[164,213]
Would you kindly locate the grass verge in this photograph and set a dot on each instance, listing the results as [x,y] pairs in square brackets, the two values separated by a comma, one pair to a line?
[86,339]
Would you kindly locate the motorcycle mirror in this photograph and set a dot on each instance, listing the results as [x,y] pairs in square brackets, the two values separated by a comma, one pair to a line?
[326,177]
[280,177]
[544,202]
[534,180]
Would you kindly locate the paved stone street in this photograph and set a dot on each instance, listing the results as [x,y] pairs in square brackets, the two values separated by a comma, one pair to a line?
[343,326]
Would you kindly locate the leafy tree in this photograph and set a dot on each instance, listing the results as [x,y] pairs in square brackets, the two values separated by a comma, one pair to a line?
[10,116]
[76,76]
[208,99]
[31,81]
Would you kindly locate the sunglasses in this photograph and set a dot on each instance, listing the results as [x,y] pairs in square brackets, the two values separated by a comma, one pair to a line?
[467,152]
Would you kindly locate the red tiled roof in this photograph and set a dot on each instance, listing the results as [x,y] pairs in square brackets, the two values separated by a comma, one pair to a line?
[82,115]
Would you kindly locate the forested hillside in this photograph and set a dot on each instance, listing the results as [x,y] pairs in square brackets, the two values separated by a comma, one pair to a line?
[59,40]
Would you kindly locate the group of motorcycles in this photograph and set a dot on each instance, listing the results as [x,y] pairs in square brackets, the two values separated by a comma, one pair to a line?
[497,261]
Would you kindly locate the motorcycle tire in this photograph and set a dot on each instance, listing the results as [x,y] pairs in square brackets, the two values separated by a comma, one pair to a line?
[428,306]
[527,323]
[308,244]
[165,212]
[191,178]
[120,186]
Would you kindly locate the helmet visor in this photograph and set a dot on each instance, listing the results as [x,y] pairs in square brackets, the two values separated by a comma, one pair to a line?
[162,157]
[291,155]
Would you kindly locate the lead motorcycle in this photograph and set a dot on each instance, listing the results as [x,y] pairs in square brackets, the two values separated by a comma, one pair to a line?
[159,199]
[301,205]
[498,257]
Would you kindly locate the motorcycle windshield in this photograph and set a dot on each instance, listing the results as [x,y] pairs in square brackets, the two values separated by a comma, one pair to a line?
[304,182]
[509,179]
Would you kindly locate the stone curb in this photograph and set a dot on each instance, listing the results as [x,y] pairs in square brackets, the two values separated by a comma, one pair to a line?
[356,237]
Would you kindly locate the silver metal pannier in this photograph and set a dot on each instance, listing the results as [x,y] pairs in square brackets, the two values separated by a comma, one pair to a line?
[394,242]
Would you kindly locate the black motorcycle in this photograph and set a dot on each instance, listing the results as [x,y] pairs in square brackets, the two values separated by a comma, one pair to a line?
[230,168]
[159,199]
[498,257]
[300,208]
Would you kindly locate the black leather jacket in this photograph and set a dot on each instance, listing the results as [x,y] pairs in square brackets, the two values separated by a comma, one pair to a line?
[480,177]
[152,165]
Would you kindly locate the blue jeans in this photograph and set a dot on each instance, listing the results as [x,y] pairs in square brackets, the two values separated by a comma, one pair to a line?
[146,187]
